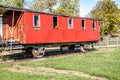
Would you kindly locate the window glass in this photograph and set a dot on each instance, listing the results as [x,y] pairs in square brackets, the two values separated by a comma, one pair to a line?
[55,22]
[83,24]
[93,24]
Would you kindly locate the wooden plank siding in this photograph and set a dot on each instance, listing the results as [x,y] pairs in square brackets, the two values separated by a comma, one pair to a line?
[25,31]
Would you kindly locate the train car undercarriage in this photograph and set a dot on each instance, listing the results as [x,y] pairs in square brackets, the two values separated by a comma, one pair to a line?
[39,50]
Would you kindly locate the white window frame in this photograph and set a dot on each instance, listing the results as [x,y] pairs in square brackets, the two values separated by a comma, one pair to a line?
[38,26]
[70,27]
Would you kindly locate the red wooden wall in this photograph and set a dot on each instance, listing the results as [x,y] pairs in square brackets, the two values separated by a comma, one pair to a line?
[27,34]
[13,26]
[46,33]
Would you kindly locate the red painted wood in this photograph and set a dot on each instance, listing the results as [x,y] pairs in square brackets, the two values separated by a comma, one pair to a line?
[27,34]
[14,31]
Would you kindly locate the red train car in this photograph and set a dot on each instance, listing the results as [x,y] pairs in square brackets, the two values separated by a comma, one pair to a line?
[31,29]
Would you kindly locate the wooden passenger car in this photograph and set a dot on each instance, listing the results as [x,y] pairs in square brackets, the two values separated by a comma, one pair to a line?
[36,28]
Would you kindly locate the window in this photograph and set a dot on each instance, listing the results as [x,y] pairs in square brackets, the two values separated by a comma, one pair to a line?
[93,25]
[55,22]
[70,23]
[83,24]
[36,21]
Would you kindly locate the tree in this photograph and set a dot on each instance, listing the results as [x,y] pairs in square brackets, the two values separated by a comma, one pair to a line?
[51,4]
[18,3]
[13,3]
[44,5]
[63,7]
[68,7]
[107,11]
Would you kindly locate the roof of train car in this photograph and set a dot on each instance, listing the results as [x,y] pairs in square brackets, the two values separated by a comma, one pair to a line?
[5,8]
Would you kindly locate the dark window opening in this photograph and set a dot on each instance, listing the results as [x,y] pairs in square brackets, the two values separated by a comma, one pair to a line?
[55,21]
[36,20]
[83,24]
[70,23]
[93,24]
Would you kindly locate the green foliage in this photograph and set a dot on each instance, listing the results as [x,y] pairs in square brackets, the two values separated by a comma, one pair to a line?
[105,63]
[13,3]
[18,3]
[44,5]
[63,7]
[108,11]
[68,7]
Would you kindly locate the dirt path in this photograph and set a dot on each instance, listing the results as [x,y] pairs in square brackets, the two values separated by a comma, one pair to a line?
[44,70]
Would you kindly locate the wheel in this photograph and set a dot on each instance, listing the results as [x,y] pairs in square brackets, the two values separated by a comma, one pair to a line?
[71,48]
[82,48]
[28,52]
[38,52]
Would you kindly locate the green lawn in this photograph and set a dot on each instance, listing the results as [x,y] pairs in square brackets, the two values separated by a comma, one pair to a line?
[103,63]
[7,75]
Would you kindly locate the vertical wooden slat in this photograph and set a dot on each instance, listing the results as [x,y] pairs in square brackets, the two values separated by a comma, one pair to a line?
[12,28]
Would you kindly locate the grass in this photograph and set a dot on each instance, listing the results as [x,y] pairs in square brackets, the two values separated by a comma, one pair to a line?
[7,75]
[104,63]
[5,65]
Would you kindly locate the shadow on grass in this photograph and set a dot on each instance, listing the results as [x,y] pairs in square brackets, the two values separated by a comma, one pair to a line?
[48,53]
